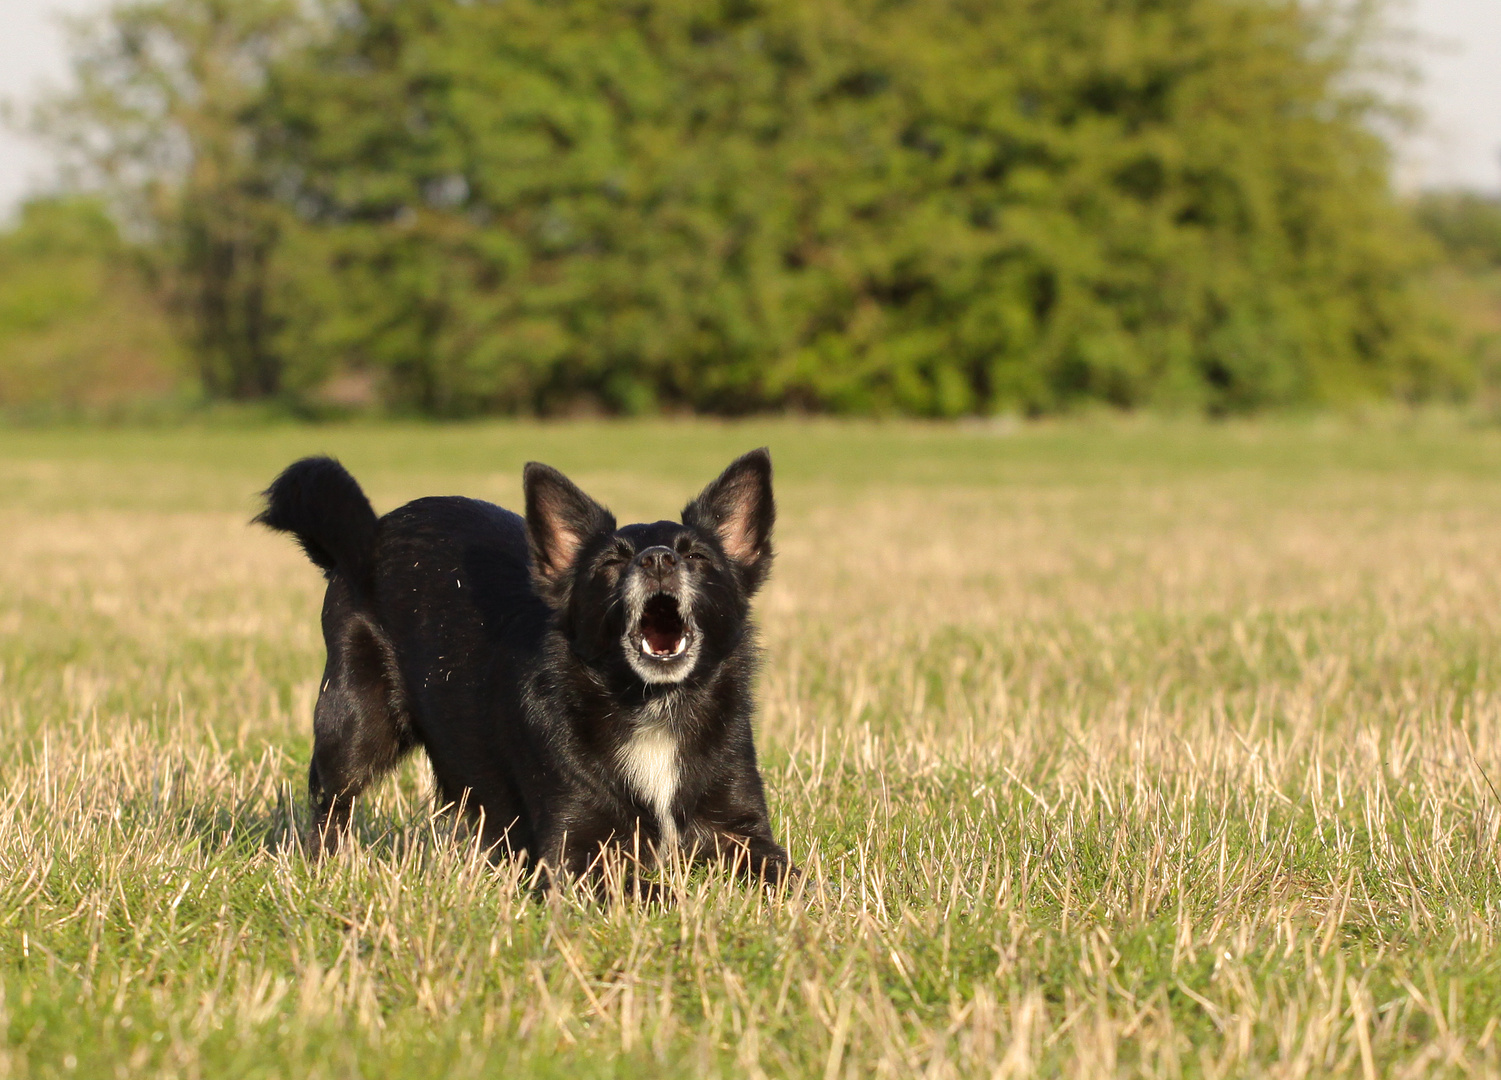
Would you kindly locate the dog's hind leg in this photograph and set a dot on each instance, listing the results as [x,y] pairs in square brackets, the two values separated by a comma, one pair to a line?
[360,726]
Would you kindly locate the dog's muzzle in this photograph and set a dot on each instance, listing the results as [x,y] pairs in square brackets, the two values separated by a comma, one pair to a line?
[661,640]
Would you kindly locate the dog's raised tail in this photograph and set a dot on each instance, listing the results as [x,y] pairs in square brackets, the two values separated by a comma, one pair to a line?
[319,503]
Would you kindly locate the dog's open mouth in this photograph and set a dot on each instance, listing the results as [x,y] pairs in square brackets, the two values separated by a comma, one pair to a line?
[664,634]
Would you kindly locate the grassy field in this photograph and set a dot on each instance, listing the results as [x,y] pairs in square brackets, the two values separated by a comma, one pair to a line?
[1109,749]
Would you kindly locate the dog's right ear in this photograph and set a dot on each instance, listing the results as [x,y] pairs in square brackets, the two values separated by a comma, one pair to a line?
[739,510]
[560,519]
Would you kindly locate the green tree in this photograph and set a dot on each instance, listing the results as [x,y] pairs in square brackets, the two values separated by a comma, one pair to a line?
[166,116]
[80,333]
[1466,224]
[934,207]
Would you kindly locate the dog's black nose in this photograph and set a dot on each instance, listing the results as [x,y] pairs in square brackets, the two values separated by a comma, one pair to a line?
[657,561]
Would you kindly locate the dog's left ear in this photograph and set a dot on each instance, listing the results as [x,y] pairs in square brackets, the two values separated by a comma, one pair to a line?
[739,510]
[560,520]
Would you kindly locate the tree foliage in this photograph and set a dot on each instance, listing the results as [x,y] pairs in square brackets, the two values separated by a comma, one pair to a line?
[1466,224]
[934,207]
[168,116]
[79,334]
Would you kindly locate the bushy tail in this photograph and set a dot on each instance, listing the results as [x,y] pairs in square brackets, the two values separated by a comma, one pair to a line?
[318,502]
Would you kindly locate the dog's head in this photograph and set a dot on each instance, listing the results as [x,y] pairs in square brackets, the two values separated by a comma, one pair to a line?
[655,602]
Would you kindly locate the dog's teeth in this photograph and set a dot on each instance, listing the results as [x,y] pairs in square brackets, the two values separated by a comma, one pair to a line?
[678,649]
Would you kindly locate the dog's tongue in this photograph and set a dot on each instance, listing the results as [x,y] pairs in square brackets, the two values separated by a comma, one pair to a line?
[660,642]
[662,626]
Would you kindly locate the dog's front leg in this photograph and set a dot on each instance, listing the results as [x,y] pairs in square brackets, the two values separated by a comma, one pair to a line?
[591,854]
[750,853]
[731,826]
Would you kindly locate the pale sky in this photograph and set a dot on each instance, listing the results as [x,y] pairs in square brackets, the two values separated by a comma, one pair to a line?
[1456,44]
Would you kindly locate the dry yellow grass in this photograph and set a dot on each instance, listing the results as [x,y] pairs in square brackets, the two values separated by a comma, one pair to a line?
[1115,750]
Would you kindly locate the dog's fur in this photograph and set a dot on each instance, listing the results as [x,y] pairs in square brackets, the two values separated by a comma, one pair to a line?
[576,686]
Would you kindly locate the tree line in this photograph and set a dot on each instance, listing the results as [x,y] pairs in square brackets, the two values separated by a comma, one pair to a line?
[927,207]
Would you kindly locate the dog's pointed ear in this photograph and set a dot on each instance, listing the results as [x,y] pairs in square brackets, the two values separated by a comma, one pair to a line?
[739,510]
[560,519]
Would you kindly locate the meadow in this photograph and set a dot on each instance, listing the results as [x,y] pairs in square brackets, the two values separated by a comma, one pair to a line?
[1108,748]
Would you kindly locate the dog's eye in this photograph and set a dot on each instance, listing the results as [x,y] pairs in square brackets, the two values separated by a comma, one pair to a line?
[697,556]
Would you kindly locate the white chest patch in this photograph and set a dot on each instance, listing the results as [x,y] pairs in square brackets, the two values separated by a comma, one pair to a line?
[650,764]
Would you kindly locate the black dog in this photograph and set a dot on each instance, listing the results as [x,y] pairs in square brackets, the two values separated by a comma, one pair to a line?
[575,685]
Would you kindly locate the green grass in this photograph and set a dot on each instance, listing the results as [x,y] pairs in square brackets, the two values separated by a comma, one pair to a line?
[1109,748]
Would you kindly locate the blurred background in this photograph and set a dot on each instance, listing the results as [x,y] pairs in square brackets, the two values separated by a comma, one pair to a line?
[935,208]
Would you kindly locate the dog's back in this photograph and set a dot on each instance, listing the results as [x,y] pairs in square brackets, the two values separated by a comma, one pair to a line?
[453,594]
[437,587]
